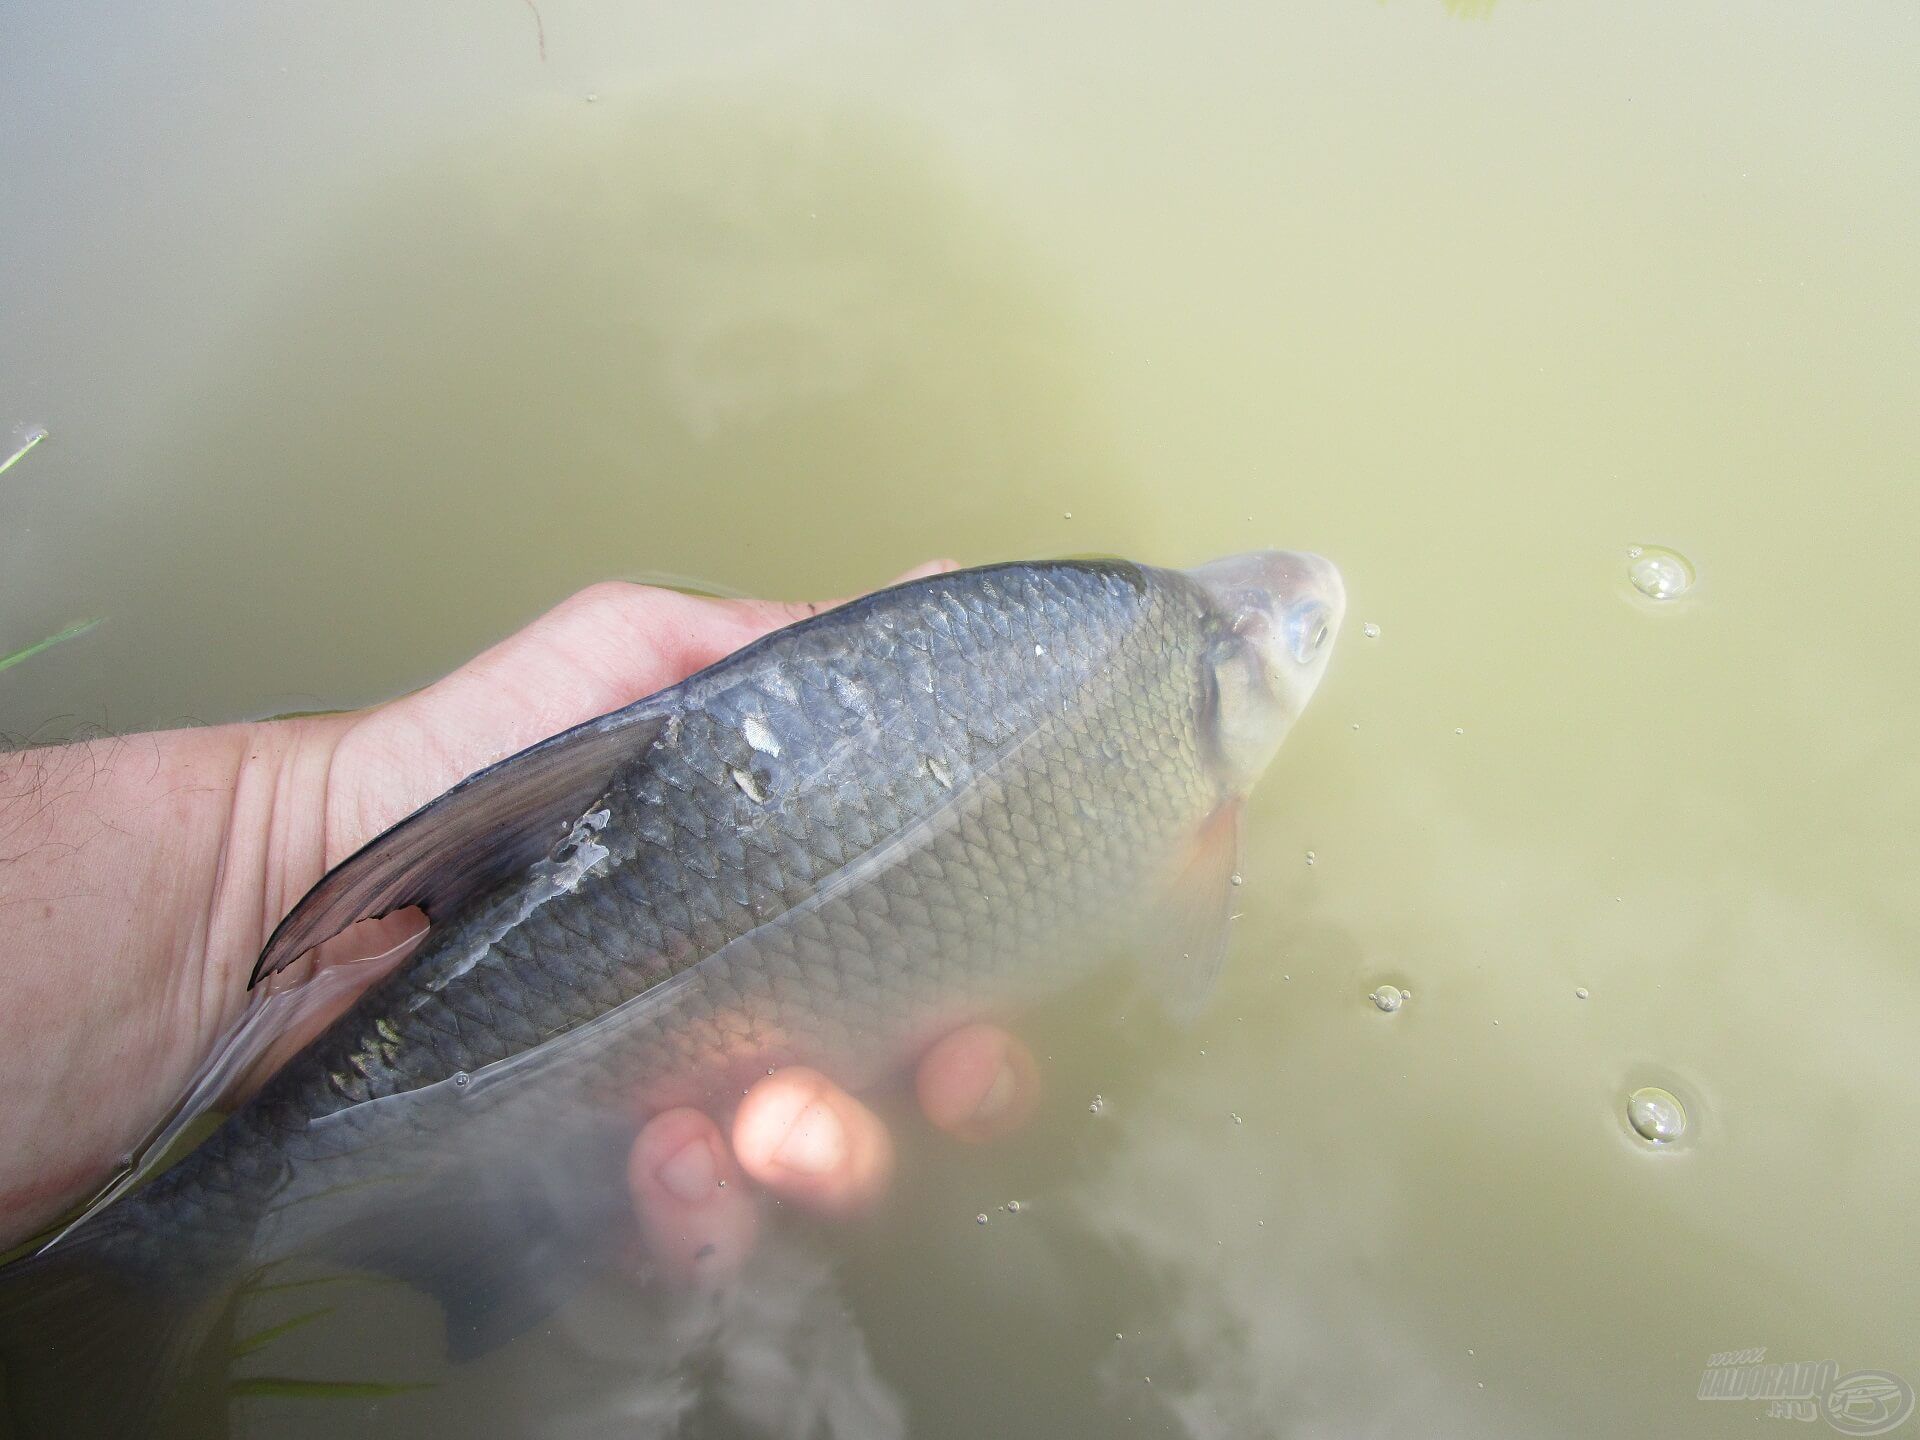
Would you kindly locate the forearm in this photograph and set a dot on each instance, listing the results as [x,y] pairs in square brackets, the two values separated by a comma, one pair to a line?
[138,878]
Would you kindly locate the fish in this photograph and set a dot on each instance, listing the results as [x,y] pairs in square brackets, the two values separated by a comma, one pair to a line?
[942,802]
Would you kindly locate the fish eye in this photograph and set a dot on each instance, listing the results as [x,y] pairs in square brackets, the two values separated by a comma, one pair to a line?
[1309,627]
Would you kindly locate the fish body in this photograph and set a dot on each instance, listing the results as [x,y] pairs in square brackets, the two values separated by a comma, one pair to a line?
[930,805]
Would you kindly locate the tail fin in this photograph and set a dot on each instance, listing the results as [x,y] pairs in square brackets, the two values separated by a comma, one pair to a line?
[89,1348]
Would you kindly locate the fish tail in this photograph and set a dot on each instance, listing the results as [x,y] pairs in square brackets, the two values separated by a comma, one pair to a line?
[91,1345]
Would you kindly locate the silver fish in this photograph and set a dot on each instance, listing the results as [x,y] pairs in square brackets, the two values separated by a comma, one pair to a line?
[938,803]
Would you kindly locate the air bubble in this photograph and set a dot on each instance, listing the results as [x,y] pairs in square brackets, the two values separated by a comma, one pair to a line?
[1309,857]
[1657,573]
[1579,992]
[1656,1115]
[461,1080]
[1237,878]
[1096,1105]
[980,1219]
[1388,998]
[1370,630]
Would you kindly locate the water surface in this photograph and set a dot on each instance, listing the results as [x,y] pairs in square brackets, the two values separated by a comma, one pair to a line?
[362,332]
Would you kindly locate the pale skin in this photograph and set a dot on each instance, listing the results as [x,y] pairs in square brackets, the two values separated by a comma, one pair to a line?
[139,878]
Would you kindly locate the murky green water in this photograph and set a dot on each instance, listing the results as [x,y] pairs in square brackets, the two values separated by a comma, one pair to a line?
[362,333]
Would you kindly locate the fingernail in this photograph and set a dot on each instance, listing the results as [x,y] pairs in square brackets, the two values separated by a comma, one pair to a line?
[689,1174]
[816,1143]
[999,1094]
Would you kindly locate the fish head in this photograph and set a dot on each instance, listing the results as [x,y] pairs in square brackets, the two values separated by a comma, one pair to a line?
[1271,621]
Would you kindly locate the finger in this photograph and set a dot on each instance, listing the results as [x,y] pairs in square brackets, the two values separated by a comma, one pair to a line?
[803,1138]
[697,1219]
[978,1082]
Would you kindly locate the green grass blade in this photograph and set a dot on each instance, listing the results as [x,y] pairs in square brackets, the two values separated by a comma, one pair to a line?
[257,1286]
[33,438]
[303,714]
[276,1387]
[79,627]
[247,1344]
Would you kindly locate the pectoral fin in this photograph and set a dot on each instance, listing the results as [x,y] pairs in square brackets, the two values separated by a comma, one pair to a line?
[1189,926]
[492,824]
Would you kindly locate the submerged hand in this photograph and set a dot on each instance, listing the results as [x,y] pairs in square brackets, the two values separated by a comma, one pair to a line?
[804,1140]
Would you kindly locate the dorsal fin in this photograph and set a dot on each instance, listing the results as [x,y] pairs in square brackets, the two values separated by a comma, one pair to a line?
[493,823]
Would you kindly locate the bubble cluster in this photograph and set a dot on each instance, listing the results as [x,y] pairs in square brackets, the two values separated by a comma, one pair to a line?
[1388,998]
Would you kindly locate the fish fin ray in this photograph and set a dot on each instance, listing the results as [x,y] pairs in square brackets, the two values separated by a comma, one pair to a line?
[493,823]
[1188,930]
[500,1245]
[86,1349]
